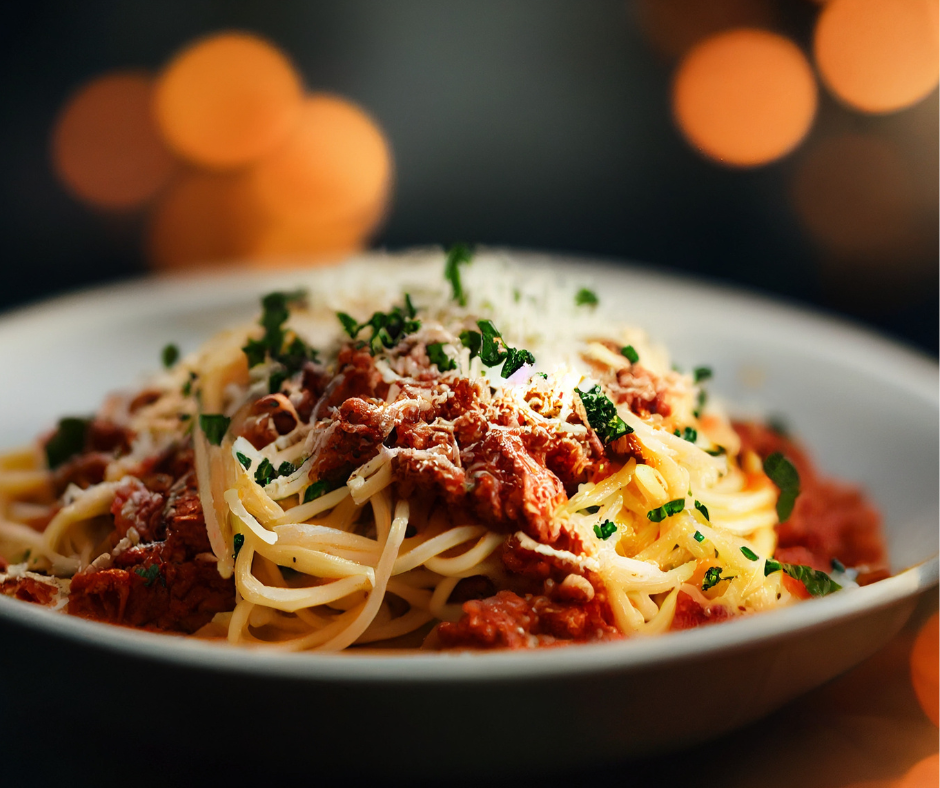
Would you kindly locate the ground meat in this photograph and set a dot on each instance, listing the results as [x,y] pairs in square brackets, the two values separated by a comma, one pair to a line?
[831,520]
[643,392]
[508,620]
[689,613]
[28,589]
[164,582]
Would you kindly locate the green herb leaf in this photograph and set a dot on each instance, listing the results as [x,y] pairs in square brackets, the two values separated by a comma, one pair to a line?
[437,356]
[490,353]
[457,255]
[276,381]
[350,326]
[713,577]
[605,530]
[238,541]
[585,297]
[150,574]
[515,360]
[716,452]
[688,433]
[170,355]
[666,510]
[285,469]
[837,565]
[214,425]
[701,373]
[704,510]
[602,415]
[749,554]
[783,474]
[265,473]
[472,340]
[698,536]
[67,441]
[817,583]
[243,459]
[630,354]
[188,385]
[591,509]
[315,490]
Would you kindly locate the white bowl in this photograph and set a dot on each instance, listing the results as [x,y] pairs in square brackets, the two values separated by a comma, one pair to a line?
[868,409]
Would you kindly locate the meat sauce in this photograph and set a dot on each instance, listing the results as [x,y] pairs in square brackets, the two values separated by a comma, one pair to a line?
[457,446]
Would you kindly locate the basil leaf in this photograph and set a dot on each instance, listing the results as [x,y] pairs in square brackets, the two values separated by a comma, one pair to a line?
[238,541]
[605,530]
[749,554]
[170,355]
[585,297]
[713,577]
[515,360]
[704,510]
[316,490]
[817,583]
[243,459]
[630,354]
[438,357]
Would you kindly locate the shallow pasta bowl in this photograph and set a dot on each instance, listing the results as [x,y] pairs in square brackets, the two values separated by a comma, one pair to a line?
[867,408]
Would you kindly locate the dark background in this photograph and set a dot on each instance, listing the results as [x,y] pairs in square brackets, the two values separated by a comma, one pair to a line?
[533,123]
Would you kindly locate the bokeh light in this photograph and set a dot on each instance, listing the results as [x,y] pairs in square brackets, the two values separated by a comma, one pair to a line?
[336,166]
[853,193]
[227,100]
[745,97]
[924,774]
[203,219]
[925,670]
[675,26]
[879,55]
[105,146]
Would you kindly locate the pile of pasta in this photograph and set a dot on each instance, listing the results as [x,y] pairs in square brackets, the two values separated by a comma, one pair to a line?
[668,507]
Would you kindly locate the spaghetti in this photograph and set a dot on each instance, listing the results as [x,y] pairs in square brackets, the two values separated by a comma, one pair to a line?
[458,470]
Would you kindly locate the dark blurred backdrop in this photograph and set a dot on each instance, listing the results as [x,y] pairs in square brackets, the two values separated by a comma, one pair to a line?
[541,124]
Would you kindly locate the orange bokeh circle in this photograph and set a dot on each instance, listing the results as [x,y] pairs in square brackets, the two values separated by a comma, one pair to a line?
[227,100]
[105,146]
[745,97]
[204,219]
[925,668]
[335,168]
[879,55]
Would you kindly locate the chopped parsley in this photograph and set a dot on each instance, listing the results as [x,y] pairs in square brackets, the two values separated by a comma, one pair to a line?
[243,459]
[630,354]
[782,473]
[701,373]
[285,469]
[689,434]
[591,509]
[585,297]
[605,530]
[265,473]
[457,255]
[817,583]
[700,401]
[288,350]
[437,356]
[749,554]
[317,489]
[704,510]
[150,574]
[188,385]
[67,441]
[698,536]
[717,452]
[238,541]
[602,415]
[388,328]
[713,577]
[170,355]
[666,510]
[837,565]
[489,345]
[214,425]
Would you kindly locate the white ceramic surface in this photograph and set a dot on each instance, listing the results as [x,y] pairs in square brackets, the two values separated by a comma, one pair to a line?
[868,408]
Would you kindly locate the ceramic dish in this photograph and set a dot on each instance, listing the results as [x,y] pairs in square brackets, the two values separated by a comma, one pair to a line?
[867,408]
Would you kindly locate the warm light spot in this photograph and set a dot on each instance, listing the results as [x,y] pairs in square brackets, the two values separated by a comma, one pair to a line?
[675,26]
[853,194]
[227,100]
[879,55]
[105,146]
[336,167]
[745,97]
[924,774]
[925,670]
[204,219]
[283,243]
